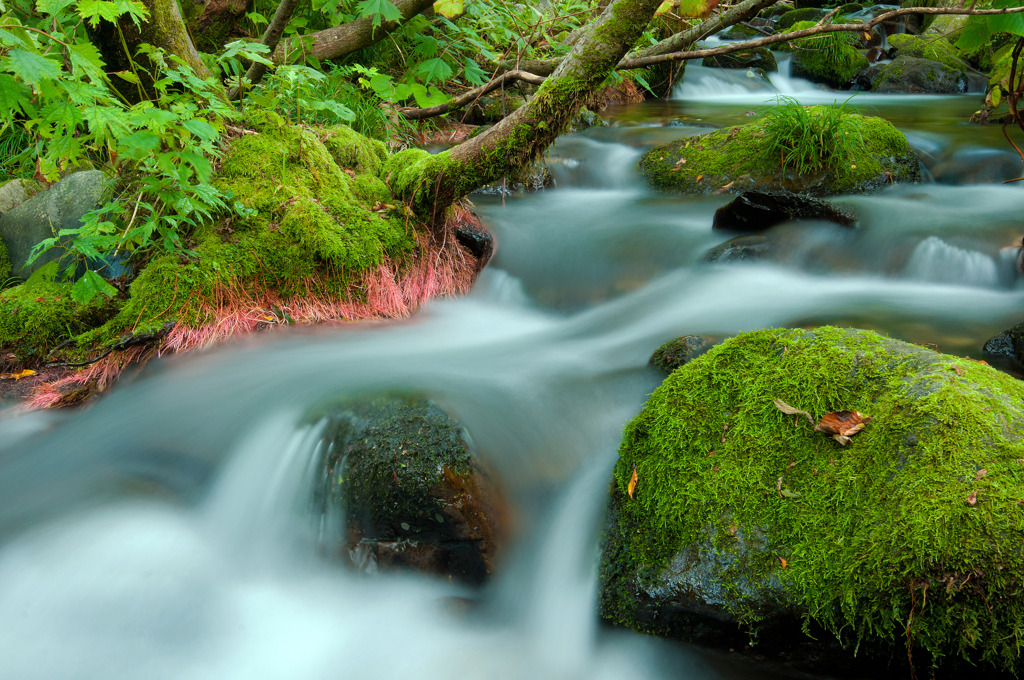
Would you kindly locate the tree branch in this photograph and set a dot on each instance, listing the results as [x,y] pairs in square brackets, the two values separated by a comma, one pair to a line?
[470,96]
[271,37]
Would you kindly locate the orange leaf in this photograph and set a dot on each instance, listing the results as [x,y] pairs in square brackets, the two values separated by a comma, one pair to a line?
[845,423]
[784,563]
[16,376]
[973,498]
[632,483]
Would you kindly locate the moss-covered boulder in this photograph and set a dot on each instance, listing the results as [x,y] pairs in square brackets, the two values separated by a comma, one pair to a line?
[805,14]
[933,47]
[736,159]
[757,58]
[5,265]
[402,476]
[914,75]
[679,351]
[730,511]
[829,59]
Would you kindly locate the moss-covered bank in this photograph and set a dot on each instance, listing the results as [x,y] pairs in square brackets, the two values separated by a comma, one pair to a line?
[323,238]
[736,159]
[911,535]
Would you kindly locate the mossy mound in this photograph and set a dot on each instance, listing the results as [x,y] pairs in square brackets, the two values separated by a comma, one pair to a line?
[913,75]
[932,47]
[5,263]
[828,59]
[35,318]
[805,14]
[727,510]
[733,158]
[320,215]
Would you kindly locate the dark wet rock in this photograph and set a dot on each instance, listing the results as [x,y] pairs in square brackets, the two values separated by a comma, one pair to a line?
[535,177]
[414,495]
[734,522]
[586,119]
[41,216]
[759,210]
[1006,350]
[477,240]
[756,58]
[490,110]
[913,75]
[680,351]
[746,248]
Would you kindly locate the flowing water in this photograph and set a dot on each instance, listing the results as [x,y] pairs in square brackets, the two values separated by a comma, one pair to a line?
[167,531]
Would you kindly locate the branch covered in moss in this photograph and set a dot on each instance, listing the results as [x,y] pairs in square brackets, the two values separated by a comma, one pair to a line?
[432,183]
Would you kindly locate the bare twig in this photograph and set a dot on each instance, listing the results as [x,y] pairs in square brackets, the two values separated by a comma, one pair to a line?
[470,96]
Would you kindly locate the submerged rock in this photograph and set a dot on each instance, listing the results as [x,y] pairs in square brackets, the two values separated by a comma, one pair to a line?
[733,520]
[759,210]
[756,58]
[412,494]
[1006,350]
[736,159]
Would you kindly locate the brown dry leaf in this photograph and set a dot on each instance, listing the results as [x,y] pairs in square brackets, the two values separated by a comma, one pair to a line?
[632,483]
[981,474]
[973,498]
[778,485]
[17,376]
[845,423]
[700,177]
[842,439]
[790,411]
[959,371]
[784,563]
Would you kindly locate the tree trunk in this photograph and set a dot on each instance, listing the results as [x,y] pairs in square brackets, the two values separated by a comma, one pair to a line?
[432,183]
[336,42]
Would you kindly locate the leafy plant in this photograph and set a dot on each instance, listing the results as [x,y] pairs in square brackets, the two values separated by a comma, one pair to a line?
[809,140]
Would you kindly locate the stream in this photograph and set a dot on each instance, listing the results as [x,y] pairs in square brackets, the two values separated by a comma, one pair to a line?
[167,531]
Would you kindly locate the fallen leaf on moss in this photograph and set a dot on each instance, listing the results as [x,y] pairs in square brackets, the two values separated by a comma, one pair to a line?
[784,563]
[786,493]
[973,498]
[981,474]
[845,423]
[790,411]
[16,376]
[632,483]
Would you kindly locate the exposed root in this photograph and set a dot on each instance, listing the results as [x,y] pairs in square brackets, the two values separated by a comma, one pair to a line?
[389,291]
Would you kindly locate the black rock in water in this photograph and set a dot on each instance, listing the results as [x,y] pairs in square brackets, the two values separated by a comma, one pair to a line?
[759,210]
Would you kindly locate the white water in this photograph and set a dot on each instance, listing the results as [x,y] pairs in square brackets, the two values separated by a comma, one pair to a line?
[166,532]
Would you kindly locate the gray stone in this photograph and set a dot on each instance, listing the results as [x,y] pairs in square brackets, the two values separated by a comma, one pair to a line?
[15,192]
[45,214]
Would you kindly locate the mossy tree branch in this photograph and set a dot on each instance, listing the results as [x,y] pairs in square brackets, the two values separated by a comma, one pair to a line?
[432,183]
[338,41]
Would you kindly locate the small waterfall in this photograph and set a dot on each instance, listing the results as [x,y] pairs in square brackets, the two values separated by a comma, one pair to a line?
[935,260]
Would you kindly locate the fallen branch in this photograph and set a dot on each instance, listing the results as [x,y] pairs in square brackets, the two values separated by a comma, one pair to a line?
[271,37]
[124,342]
[470,96]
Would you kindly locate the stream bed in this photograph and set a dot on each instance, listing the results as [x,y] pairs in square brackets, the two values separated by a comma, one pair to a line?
[167,532]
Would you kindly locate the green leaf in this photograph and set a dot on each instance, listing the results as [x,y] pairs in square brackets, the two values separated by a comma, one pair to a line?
[30,67]
[53,7]
[200,163]
[13,95]
[62,113]
[201,129]
[86,60]
[426,98]
[378,9]
[128,76]
[89,286]
[449,8]
[472,72]
[49,271]
[138,145]
[434,70]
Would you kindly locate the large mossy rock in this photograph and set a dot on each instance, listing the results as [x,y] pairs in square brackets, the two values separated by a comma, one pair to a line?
[914,75]
[728,513]
[829,60]
[411,492]
[734,159]
[934,47]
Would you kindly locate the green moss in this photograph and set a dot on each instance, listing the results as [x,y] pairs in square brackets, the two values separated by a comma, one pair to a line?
[5,263]
[931,47]
[732,157]
[807,15]
[321,215]
[912,532]
[830,58]
[35,318]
